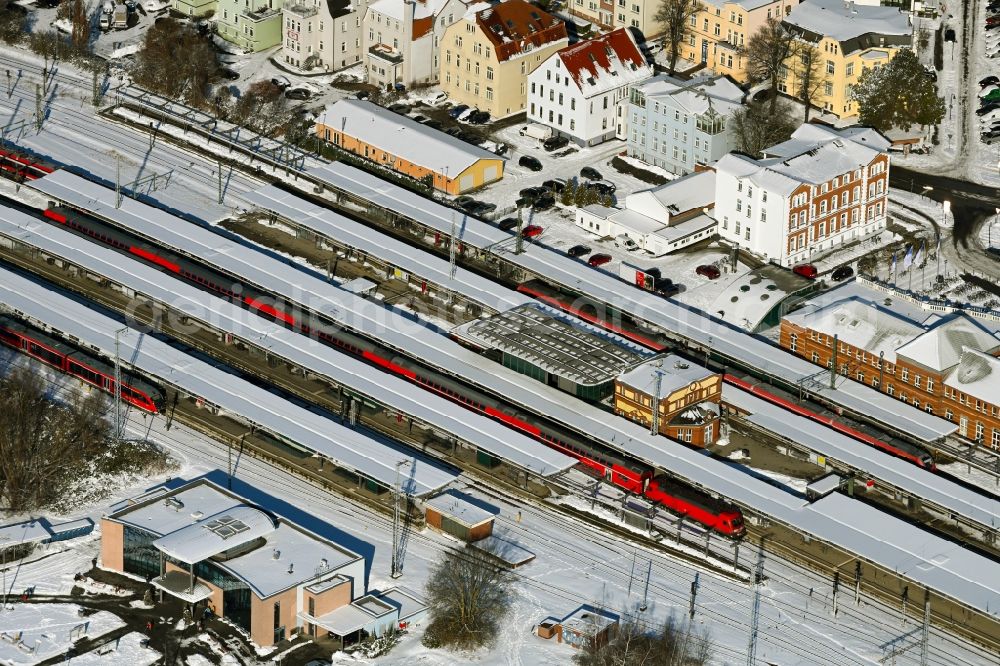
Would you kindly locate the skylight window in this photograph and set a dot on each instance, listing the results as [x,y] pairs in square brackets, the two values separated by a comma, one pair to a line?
[226,527]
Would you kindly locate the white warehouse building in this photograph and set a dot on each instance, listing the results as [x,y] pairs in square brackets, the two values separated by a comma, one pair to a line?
[580,90]
[660,220]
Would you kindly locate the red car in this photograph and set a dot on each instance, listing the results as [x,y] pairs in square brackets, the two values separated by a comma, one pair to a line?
[806,271]
[599,259]
[709,271]
[531,231]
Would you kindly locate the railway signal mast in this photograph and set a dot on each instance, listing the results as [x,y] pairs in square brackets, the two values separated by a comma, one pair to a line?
[119,426]
[397,531]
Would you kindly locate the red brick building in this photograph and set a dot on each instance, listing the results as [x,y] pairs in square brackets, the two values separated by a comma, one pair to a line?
[688,399]
[944,366]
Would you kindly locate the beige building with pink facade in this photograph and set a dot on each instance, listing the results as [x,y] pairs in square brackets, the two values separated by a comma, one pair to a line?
[215,550]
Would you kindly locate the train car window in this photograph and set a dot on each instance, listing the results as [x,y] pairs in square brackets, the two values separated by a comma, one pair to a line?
[85,373]
[11,338]
[47,355]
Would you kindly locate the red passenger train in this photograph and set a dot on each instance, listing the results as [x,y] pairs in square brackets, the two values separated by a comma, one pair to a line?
[904,450]
[95,372]
[602,461]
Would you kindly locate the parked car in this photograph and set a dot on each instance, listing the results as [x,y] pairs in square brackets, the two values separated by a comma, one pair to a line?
[508,223]
[532,192]
[621,240]
[529,162]
[989,138]
[590,173]
[991,106]
[841,273]
[557,185]
[281,81]
[455,112]
[603,187]
[420,118]
[479,117]
[436,99]
[484,207]
[555,143]
[434,124]
[462,200]
[994,252]
[399,108]
[453,131]
[298,93]
[465,114]
[531,231]
[362,94]
[806,271]
[709,271]
[578,251]
[599,259]
[544,202]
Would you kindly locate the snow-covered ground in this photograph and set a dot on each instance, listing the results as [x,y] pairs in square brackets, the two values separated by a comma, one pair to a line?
[30,633]
[127,649]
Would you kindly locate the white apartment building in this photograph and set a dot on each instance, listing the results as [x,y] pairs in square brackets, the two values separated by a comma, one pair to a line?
[822,188]
[321,35]
[401,39]
[580,90]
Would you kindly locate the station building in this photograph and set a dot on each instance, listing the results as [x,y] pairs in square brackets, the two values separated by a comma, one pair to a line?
[945,365]
[213,549]
[687,397]
[575,357]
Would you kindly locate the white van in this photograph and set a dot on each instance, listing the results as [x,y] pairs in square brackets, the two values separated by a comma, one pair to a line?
[540,132]
[621,240]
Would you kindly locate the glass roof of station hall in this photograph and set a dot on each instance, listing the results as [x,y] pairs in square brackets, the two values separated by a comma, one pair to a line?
[580,353]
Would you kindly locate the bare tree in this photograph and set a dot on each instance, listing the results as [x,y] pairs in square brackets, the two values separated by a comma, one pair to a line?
[176,62]
[44,447]
[675,17]
[810,74]
[766,53]
[263,108]
[672,643]
[80,17]
[468,595]
[756,127]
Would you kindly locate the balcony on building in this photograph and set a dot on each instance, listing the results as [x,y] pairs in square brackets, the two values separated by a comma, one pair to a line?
[262,14]
[303,10]
[387,53]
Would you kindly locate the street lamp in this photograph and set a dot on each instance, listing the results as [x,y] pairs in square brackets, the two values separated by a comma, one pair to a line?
[927,188]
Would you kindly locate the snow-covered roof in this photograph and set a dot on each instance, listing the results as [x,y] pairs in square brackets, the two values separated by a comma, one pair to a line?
[604,63]
[696,95]
[462,507]
[516,27]
[696,190]
[942,345]
[403,137]
[748,5]
[675,373]
[810,135]
[394,9]
[977,375]
[231,527]
[815,154]
[842,21]
[288,555]
[29,531]
[862,325]
[747,300]
[637,223]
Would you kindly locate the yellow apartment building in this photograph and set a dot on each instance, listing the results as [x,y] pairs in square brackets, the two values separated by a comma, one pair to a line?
[851,38]
[722,28]
[486,57]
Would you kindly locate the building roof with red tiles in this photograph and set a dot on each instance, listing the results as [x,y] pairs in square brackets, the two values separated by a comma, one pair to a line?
[606,62]
[516,28]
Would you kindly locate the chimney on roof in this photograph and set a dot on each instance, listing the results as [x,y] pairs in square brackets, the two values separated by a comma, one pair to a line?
[291,566]
[275,554]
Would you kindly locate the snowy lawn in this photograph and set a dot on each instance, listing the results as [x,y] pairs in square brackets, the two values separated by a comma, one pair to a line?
[31,632]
